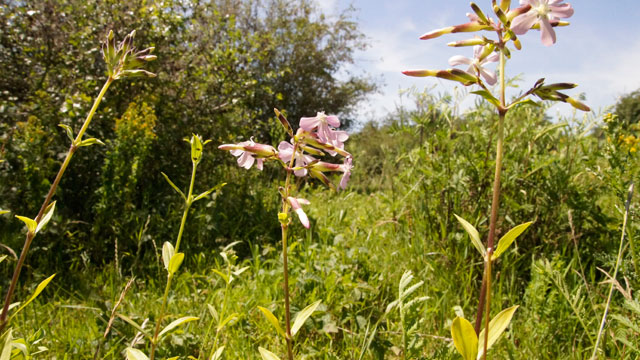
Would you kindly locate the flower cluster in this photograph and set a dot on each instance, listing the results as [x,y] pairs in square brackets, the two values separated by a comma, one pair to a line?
[317,136]
[543,15]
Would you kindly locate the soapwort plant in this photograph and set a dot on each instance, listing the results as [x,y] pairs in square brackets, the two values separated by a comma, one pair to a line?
[123,60]
[316,137]
[542,15]
[172,258]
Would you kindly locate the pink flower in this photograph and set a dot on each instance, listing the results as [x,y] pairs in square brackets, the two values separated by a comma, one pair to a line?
[319,167]
[295,205]
[476,66]
[285,152]
[542,12]
[321,123]
[246,150]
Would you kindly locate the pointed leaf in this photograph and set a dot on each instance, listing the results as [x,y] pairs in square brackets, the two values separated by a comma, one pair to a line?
[89,142]
[167,253]
[2,258]
[218,354]
[508,238]
[2,212]
[225,321]
[175,262]
[48,213]
[31,224]
[35,294]
[523,102]
[176,323]
[464,338]
[474,235]
[267,355]
[174,186]
[135,354]
[68,130]
[273,320]
[487,96]
[6,349]
[130,321]
[206,193]
[213,312]
[497,325]
[302,316]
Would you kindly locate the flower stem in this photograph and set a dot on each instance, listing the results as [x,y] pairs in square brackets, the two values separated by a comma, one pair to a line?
[284,225]
[488,306]
[495,201]
[615,274]
[165,297]
[47,200]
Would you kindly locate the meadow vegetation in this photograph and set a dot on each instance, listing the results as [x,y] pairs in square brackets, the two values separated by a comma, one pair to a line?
[385,262]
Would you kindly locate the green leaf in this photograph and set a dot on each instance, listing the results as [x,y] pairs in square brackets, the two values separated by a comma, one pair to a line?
[225,321]
[167,253]
[175,262]
[68,130]
[464,338]
[273,320]
[174,186]
[487,96]
[135,354]
[218,354]
[48,213]
[2,212]
[302,316]
[35,294]
[222,275]
[267,355]
[523,102]
[213,312]
[176,323]
[6,349]
[474,235]
[497,325]
[508,238]
[2,258]
[206,193]
[130,321]
[89,142]
[31,224]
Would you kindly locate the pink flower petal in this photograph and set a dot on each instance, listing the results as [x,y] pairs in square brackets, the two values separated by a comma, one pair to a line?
[246,160]
[303,218]
[548,35]
[561,11]
[522,23]
[459,60]
[489,76]
[308,123]
[333,121]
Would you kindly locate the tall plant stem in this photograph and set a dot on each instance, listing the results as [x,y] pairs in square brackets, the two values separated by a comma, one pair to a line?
[284,225]
[31,235]
[488,306]
[165,297]
[495,201]
[615,273]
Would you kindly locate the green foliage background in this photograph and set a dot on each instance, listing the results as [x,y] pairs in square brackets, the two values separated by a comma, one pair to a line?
[222,66]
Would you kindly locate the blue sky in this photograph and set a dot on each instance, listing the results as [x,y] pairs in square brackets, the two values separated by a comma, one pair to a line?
[600,51]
